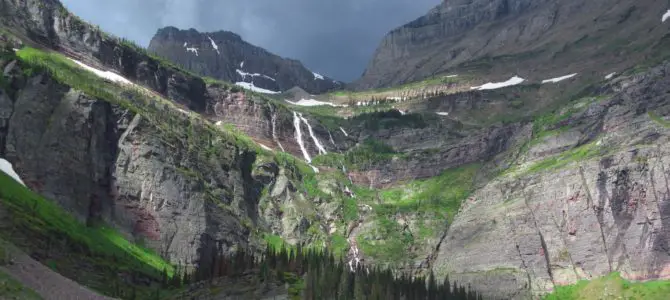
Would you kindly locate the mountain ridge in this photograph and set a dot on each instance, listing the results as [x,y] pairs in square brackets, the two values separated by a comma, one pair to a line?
[521,36]
[226,56]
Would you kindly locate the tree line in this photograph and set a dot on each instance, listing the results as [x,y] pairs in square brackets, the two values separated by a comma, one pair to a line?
[317,274]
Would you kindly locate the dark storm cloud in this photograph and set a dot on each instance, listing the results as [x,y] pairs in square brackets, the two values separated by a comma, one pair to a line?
[333,37]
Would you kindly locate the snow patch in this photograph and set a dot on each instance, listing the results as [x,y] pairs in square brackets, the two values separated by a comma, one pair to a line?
[312,102]
[322,150]
[451,76]
[558,79]
[666,16]
[317,76]
[242,65]
[104,74]
[441,113]
[214,45]
[192,49]
[6,167]
[610,75]
[185,44]
[245,74]
[250,86]
[219,123]
[497,85]
[345,133]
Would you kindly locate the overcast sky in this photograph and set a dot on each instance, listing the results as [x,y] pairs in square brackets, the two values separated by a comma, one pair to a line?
[332,37]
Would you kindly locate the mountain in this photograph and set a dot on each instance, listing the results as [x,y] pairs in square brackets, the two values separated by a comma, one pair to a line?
[140,179]
[224,55]
[532,39]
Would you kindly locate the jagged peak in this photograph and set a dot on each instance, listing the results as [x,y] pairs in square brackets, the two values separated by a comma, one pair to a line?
[172,31]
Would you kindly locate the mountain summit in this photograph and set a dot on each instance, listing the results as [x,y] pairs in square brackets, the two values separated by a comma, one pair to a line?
[225,55]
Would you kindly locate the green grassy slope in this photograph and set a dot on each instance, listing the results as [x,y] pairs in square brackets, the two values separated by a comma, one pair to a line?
[612,287]
[93,256]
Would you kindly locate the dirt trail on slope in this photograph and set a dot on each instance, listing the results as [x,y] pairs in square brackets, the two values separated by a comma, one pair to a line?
[44,281]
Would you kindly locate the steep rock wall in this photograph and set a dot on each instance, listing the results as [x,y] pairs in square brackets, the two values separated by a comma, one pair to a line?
[598,209]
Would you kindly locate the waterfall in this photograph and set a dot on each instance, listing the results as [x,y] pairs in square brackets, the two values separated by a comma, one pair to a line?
[298,137]
[311,133]
[345,133]
[274,130]
[330,136]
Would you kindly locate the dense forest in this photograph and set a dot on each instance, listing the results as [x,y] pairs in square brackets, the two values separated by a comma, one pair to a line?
[317,274]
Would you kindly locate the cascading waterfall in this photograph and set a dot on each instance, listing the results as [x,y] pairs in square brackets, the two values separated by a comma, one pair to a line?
[345,133]
[330,136]
[274,131]
[298,137]
[322,150]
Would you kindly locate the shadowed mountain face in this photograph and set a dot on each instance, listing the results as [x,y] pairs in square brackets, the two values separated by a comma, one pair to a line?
[503,37]
[224,55]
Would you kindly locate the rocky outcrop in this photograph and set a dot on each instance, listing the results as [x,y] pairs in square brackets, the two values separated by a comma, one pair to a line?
[600,207]
[496,39]
[224,55]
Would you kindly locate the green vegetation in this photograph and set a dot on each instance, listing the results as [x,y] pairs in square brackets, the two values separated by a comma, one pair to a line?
[440,195]
[392,250]
[612,287]
[434,201]
[365,155]
[338,245]
[555,120]
[12,289]
[658,119]
[437,80]
[40,226]
[573,155]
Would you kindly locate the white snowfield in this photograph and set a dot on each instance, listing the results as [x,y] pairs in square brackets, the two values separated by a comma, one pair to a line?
[312,102]
[104,74]
[250,86]
[245,74]
[214,45]
[610,75]
[441,113]
[6,167]
[191,49]
[317,76]
[666,16]
[559,79]
[497,85]
[194,50]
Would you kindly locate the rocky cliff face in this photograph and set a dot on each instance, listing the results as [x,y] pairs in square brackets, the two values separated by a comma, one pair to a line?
[579,204]
[500,38]
[224,55]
